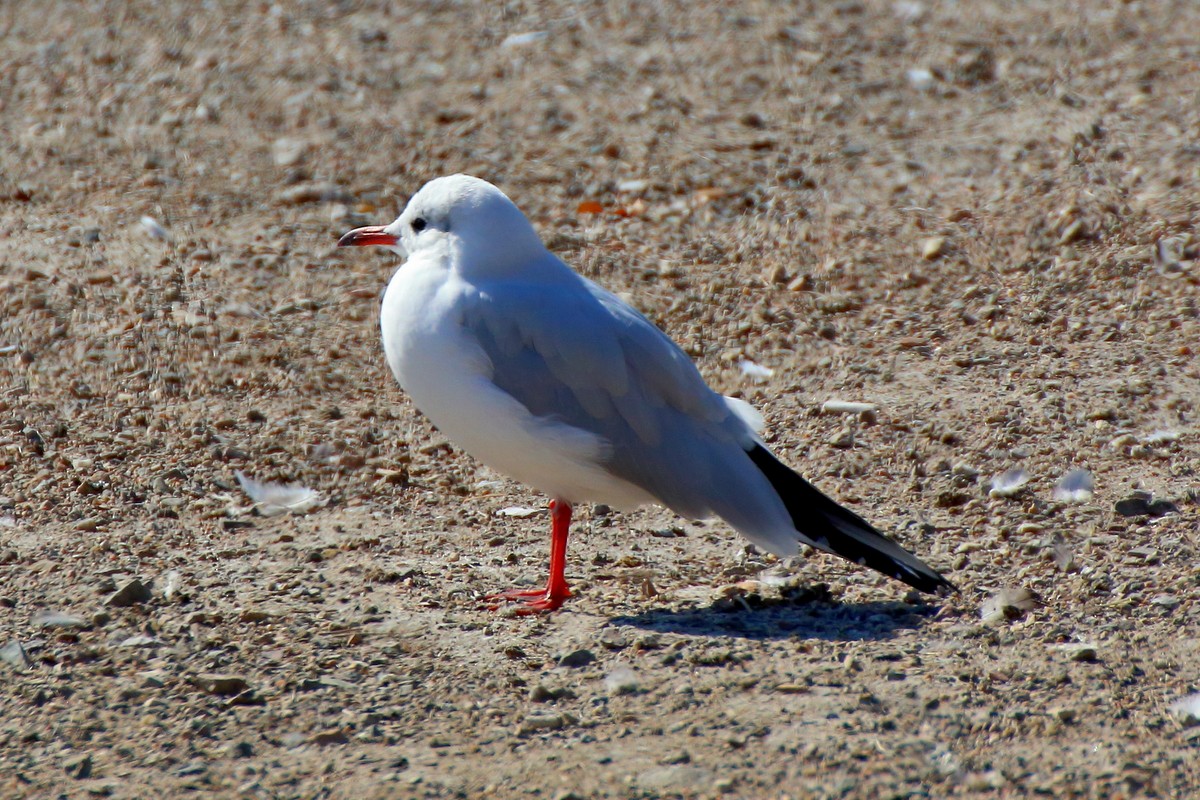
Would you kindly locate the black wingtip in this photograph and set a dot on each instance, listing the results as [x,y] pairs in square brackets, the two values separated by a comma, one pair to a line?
[842,532]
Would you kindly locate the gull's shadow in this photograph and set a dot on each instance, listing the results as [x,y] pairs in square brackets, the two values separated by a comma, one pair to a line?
[825,619]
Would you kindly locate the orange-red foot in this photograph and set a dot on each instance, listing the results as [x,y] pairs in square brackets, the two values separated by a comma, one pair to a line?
[533,601]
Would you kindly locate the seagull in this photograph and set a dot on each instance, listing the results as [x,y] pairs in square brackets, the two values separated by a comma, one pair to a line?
[546,377]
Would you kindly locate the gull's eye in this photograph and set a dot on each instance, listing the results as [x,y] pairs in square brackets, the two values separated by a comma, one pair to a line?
[418,224]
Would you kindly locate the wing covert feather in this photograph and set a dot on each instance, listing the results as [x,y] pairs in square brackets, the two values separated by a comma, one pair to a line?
[579,355]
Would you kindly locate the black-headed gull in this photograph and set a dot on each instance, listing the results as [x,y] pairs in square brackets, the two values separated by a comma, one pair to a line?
[544,376]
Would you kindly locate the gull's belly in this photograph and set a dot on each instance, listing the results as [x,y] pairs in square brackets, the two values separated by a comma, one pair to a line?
[448,377]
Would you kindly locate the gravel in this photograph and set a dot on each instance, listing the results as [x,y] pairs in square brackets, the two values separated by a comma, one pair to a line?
[901,205]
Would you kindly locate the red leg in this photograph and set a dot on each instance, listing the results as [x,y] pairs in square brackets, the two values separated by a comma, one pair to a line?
[556,590]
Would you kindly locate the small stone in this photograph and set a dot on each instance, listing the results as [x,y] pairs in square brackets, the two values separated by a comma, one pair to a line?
[1136,505]
[621,680]
[292,739]
[675,778]
[311,193]
[847,407]
[648,641]
[1167,602]
[241,749]
[776,274]
[254,615]
[1085,653]
[1160,508]
[288,152]
[79,767]
[540,693]
[951,499]
[140,640]
[57,619]
[132,593]
[612,639]
[792,688]
[153,678]
[221,683]
[15,656]
[678,757]
[577,658]
[933,247]
[541,722]
[1142,504]
[247,698]
[843,439]
[1073,232]
[329,737]
[988,781]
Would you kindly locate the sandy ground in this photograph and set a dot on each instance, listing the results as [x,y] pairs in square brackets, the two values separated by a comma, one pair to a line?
[979,216]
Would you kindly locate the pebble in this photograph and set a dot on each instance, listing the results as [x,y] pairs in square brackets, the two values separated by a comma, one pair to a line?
[541,693]
[847,407]
[140,640]
[221,683]
[311,193]
[151,227]
[842,439]
[647,641]
[612,639]
[131,593]
[677,757]
[15,656]
[520,512]
[288,152]
[1085,653]
[920,79]
[1142,504]
[329,737]
[57,619]
[523,39]
[621,680]
[933,247]
[577,658]
[153,678]
[675,778]
[792,688]
[292,739]
[242,749]
[542,722]
[79,767]
[1168,602]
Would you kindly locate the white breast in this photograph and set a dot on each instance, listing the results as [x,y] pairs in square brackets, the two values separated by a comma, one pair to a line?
[448,377]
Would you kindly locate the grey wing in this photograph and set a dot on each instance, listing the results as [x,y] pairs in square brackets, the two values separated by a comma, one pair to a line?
[578,354]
